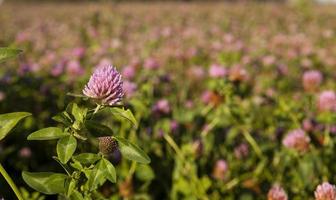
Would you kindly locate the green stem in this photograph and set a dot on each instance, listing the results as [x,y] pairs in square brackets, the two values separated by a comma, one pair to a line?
[10,182]
[253,143]
[97,108]
[172,143]
[132,170]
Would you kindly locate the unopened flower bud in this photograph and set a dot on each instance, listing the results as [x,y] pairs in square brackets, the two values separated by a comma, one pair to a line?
[107,144]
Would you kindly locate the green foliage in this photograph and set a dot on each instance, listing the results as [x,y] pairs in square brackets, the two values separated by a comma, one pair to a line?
[7,53]
[131,151]
[66,147]
[126,114]
[87,171]
[49,133]
[8,122]
[46,182]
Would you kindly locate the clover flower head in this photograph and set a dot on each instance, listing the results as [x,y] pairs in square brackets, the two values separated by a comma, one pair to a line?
[277,193]
[217,71]
[327,101]
[220,169]
[311,80]
[297,139]
[325,191]
[105,86]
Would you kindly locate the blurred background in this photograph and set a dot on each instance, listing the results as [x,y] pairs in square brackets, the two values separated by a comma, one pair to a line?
[200,71]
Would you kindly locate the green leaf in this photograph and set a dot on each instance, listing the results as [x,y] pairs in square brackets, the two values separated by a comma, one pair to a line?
[144,173]
[9,120]
[76,195]
[131,151]
[127,114]
[66,146]
[6,53]
[110,171]
[71,187]
[97,175]
[67,169]
[77,165]
[78,113]
[50,133]
[63,118]
[46,182]
[87,158]
[97,129]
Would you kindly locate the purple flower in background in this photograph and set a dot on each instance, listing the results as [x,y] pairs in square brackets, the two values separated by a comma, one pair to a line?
[311,80]
[174,125]
[105,86]
[162,106]
[22,37]
[308,124]
[241,151]
[128,72]
[74,68]
[327,101]
[206,96]
[189,104]
[238,73]
[277,193]
[325,191]
[129,88]
[25,152]
[196,72]
[217,71]
[2,96]
[268,60]
[220,169]
[297,139]
[79,52]
[104,62]
[151,63]
[57,69]
[28,67]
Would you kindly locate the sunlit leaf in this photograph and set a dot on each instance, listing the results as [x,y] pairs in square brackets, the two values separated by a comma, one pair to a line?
[97,175]
[110,171]
[131,151]
[9,120]
[6,53]
[66,146]
[127,114]
[49,133]
[87,158]
[46,182]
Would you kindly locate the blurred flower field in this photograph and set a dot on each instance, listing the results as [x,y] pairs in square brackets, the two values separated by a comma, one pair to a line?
[232,101]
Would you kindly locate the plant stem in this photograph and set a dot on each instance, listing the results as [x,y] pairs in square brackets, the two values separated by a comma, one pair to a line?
[97,109]
[132,170]
[172,143]
[253,143]
[10,182]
